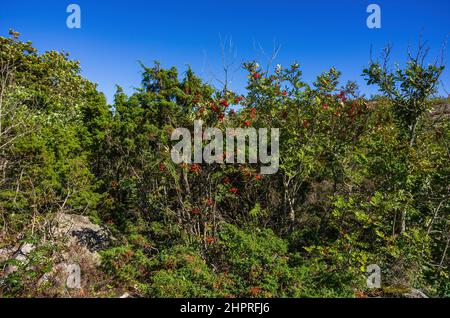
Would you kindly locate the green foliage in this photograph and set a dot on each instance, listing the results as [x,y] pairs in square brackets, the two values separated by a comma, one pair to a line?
[183,273]
[126,264]
[50,121]
[360,181]
[26,280]
[255,260]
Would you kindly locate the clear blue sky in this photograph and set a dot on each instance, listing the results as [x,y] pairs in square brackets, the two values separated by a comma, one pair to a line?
[115,34]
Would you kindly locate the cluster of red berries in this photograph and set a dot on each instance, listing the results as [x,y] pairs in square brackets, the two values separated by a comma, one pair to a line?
[251,115]
[227,181]
[220,107]
[196,98]
[224,103]
[210,240]
[195,168]
[255,291]
[357,107]
[215,109]
[342,96]
[256,75]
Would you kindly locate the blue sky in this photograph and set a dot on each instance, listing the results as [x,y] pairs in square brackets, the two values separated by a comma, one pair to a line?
[115,34]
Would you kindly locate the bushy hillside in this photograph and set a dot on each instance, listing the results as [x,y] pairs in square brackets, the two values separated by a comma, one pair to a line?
[360,181]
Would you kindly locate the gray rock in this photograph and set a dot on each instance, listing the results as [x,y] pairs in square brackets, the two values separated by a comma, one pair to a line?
[6,253]
[415,293]
[79,241]
[78,229]
[21,255]
[82,240]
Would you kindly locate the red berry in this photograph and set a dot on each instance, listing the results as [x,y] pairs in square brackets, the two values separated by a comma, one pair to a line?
[210,240]
[234,190]
[195,168]
[305,123]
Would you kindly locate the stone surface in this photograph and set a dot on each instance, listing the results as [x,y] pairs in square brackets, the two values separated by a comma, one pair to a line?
[21,256]
[415,293]
[6,253]
[82,240]
[80,230]
[77,242]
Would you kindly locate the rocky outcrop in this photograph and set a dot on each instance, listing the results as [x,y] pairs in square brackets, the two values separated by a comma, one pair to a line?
[76,241]
[20,256]
[6,253]
[78,229]
[414,293]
